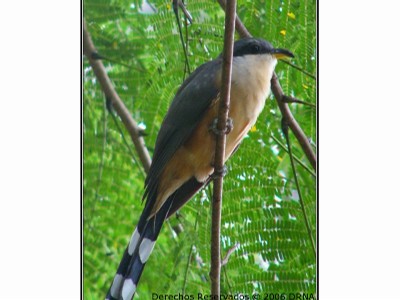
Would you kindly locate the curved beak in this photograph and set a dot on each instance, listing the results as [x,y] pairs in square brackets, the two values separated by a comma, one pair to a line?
[281,53]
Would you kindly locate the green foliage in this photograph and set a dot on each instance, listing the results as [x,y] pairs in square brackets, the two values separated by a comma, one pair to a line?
[261,209]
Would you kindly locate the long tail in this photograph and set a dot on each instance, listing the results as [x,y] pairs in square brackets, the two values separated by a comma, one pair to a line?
[136,254]
[142,242]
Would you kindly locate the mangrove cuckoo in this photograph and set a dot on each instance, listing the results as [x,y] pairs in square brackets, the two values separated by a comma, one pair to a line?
[184,151]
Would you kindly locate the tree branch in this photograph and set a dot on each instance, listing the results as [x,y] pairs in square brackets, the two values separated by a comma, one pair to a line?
[239,26]
[279,96]
[219,160]
[291,121]
[108,89]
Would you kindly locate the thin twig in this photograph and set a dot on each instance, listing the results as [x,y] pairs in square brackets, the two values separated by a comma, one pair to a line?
[187,39]
[228,285]
[299,69]
[187,14]
[127,144]
[223,111]
[295,157]
[198,216]
[278,93]
[115,61]
[101,165]
[176,4]
[119,106]
[290,99]
[228,254]
[310,234]
[187,269]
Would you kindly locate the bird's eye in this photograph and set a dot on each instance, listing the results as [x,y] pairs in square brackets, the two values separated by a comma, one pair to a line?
[255,48]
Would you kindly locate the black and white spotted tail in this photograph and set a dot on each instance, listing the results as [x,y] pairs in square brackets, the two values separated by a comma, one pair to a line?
[136,254]
[143,239]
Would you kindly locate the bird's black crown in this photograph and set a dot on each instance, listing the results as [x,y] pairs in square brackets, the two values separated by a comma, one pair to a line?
[251,46]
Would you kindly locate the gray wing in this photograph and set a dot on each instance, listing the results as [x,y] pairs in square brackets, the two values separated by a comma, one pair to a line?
[187,109]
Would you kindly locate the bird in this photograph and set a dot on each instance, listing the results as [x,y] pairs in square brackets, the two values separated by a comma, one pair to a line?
[184,151]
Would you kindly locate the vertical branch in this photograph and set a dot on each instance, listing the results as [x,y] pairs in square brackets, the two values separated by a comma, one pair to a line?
[223,111]
[239,26]
[119,106]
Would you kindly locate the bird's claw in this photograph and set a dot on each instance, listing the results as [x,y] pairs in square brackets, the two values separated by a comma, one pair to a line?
[219,173]
[228,127]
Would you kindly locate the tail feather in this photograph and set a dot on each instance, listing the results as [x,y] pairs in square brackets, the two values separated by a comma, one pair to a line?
[184,193]
[143,240]
[136,254]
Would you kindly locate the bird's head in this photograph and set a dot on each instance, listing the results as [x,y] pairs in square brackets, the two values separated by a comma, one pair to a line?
[256,46]
[254,62]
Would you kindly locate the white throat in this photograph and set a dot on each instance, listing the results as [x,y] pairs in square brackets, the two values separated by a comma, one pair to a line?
[251,80]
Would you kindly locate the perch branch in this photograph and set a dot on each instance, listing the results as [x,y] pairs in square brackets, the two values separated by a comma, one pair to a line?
[279,96]
[219,160]
[119,106]
[239,26]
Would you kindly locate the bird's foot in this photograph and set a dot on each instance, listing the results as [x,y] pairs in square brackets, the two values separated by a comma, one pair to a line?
[228,127]
[219,173]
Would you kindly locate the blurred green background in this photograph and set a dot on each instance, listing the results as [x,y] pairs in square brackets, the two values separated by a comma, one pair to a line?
[261,209]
